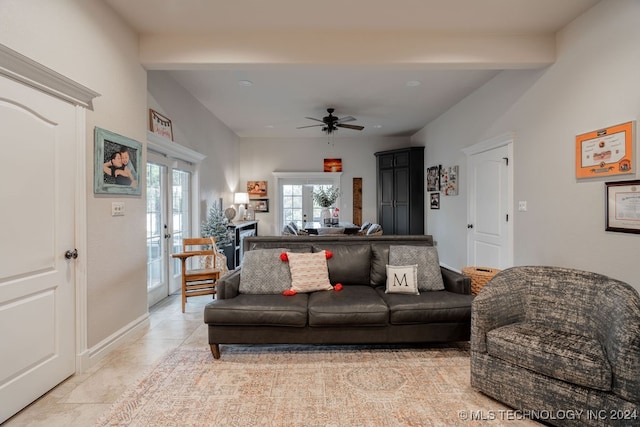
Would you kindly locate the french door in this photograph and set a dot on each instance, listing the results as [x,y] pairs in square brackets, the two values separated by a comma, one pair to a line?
[168,221]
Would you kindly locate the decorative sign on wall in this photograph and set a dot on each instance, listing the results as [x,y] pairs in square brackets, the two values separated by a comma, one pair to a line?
[160,125]
[333,165]
[449,181]
[605,152]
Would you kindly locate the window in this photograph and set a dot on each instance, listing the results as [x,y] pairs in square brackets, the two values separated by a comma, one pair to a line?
[295,195]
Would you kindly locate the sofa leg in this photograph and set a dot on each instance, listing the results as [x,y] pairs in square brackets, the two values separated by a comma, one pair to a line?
[215,350]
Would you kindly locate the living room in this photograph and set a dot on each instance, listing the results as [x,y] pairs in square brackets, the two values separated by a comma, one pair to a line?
[591,85]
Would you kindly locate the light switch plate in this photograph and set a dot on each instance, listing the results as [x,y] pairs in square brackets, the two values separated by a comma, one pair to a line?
[117,208]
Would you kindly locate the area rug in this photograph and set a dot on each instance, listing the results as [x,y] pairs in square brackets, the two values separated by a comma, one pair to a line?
[306,386]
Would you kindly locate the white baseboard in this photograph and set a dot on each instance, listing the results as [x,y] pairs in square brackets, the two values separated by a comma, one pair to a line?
[93,355]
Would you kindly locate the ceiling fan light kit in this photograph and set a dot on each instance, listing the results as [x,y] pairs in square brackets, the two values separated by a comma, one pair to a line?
[331,123]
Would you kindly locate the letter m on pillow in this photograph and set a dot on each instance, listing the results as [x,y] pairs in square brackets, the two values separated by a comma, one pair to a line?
[397,281]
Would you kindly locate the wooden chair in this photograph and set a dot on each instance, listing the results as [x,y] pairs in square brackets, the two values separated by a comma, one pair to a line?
[195,279]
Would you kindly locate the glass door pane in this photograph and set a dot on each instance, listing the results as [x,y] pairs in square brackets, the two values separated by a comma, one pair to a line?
[157,285]
[180,223]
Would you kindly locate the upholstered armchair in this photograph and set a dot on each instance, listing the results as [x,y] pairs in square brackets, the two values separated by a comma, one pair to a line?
[555,339]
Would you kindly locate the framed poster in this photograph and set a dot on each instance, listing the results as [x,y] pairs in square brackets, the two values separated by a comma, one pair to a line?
[434,201]
[260,205]
[160,125]
[257,189]
[433,178]
[333,165]
[606,152]
[117,162]
[623,206]
[449,181]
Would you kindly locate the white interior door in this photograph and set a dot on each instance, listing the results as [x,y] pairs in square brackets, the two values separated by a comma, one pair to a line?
[489,228]
[37,281]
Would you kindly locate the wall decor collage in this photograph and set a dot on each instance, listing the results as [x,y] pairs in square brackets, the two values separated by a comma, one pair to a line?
[258,200]
[609,152]
[441,180]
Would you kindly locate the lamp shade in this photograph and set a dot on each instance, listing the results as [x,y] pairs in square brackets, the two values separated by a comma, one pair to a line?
[241,198]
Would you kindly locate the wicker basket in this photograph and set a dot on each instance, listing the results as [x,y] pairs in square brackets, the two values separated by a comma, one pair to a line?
[479,277]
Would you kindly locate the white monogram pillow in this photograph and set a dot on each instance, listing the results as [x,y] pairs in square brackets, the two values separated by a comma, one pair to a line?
[402,279]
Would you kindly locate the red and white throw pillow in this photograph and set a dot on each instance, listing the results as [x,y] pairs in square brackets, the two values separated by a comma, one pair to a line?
[309,272]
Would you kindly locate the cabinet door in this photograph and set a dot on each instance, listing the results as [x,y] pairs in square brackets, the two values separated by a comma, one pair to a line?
[401,200]
[385,207]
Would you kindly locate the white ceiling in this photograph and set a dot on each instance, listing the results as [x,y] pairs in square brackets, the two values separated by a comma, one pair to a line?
[356,56]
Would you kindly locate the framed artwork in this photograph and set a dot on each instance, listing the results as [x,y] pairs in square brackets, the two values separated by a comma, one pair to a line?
[117,164]
[433,178]
[449,181]
[260,205]
[257,189]
[333,165]
[160,125]
[434,201]
[623,206]
[605,152]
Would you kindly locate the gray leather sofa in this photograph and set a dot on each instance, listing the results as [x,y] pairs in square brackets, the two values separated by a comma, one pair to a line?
[561,345]
[362,313]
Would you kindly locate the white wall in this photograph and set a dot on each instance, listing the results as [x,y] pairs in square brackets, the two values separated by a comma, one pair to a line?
[260,157]
[85,41]
[593,84]
[195,127]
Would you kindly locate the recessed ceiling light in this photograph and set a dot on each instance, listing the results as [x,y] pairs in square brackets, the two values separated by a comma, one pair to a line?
[377,126]
[245,83]
[270,126]
[413,83]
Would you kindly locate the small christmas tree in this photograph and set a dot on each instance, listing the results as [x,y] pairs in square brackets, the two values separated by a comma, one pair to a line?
[216,226]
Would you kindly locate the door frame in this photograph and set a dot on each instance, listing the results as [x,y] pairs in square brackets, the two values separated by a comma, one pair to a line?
[503,140]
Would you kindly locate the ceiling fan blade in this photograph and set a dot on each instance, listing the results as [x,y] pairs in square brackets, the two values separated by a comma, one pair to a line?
[317,120]
[355,127]
[347,119]
[310,126]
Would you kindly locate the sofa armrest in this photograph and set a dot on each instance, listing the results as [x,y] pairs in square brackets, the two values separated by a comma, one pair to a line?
[455,282]
[501,302]
[228,285]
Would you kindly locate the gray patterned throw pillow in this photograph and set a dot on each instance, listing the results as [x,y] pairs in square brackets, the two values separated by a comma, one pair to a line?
[426,257]
[263,272]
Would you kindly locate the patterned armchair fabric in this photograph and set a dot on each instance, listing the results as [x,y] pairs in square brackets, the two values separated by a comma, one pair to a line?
[551,338]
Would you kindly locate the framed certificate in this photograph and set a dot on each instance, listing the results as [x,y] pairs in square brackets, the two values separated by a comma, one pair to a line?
[605,152]
[623,206]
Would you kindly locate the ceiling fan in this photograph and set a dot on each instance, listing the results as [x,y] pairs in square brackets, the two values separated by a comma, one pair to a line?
[331,123]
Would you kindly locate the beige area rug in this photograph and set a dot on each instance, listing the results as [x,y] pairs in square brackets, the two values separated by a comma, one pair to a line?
[306,386]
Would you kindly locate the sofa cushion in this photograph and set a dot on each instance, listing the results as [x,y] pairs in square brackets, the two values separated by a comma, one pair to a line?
[262,310]
[308,272]
[428,307]
[429,275]
[353,305]
[264,273]
[379,261]
[572,358]
[350,264]
[402,279]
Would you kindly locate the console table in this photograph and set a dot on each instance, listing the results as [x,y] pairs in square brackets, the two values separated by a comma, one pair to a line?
[239,231]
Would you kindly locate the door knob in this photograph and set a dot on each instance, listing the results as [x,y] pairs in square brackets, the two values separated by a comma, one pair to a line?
[166,236]
[469,225]
[71,254]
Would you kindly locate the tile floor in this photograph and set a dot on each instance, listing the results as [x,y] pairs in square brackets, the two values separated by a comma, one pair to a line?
[82,398]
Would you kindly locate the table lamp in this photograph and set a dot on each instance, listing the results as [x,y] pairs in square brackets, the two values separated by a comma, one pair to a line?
[241,199]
